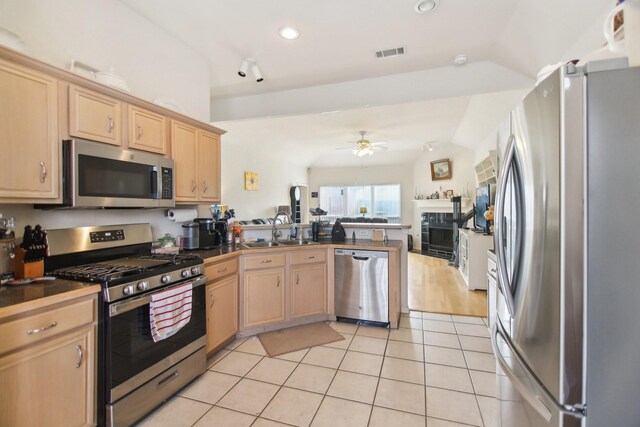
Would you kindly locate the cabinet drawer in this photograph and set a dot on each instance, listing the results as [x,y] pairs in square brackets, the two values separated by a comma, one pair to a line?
[252,262]
[221,269]
[37,327]
[307,256]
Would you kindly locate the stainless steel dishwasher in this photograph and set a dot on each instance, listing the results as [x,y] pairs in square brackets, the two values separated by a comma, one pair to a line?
[362,285]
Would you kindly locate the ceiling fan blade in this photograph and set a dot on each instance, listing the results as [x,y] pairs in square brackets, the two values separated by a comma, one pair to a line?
[344,148]
[379,147]
[379,143]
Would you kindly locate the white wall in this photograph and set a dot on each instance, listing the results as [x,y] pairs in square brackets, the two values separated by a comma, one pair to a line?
[372,175]
[276,175]
[106,33]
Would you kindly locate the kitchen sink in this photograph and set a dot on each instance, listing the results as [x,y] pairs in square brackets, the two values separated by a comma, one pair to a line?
[297,242]
[253,245]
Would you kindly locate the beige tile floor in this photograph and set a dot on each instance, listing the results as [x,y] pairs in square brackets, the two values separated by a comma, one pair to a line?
[436,370]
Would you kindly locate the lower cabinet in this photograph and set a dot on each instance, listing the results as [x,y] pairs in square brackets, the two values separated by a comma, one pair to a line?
[308,290]
[51,382]
[264,296]
[222,311]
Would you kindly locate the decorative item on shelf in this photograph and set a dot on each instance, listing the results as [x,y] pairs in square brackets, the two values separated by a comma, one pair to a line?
[440,169]
[363,210]
[488,215]
[251,181]
[449,194]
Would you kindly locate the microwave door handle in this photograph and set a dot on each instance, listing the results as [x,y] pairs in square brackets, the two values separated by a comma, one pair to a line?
[503,277]
[527,383]
[154,182]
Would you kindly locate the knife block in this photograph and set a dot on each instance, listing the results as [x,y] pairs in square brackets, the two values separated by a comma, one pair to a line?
[25,270]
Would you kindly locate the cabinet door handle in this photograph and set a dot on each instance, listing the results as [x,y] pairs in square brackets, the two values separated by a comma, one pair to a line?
[211,305]
[297,278]
[193,186]
[43,328]
[80,356]
[204,186]
[310,257]
[139,135]
[43,172]
[265,261]
[110,123]
[278,285]
[222,270]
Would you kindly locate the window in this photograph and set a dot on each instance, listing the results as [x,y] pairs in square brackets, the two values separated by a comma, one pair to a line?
[381,201]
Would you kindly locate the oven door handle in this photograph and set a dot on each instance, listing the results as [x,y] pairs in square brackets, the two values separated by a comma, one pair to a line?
[130,304]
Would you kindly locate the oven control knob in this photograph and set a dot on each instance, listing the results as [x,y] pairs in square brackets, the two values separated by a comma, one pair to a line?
[185,273]
[143,286]
[128,290]
[165,279]
[195,271]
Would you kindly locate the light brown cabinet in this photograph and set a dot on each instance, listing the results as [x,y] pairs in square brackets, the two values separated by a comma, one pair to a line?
[308,289]
[263,290]
[222,302]
[222,311]
[209,167]
[29,134]
[53,381]
[184,152]
[196,154]
[147,130]
[94,116]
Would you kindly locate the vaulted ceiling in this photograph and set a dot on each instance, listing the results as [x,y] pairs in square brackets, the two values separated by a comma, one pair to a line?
[407,100]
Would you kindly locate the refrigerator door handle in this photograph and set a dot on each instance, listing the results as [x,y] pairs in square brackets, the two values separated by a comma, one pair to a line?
[535,393]
[503,277]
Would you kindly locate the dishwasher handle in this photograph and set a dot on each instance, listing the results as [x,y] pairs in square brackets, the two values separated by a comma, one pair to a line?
[360,258]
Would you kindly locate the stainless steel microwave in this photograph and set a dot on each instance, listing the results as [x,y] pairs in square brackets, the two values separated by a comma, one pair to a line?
[100,175]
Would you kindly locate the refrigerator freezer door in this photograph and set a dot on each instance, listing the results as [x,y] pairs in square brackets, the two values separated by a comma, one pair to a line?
[524,401]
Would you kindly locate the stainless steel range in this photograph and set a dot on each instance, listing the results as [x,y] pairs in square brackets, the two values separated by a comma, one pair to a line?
[135,373]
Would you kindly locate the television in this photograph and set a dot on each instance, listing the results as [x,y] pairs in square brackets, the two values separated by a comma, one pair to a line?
[485,197]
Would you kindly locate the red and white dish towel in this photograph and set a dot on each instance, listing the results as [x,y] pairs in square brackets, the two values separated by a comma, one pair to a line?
[170,310]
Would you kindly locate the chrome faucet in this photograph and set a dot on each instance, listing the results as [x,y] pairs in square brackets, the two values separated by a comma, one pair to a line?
[274,232]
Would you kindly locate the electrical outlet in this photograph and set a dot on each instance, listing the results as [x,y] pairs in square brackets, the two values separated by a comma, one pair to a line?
[363,233]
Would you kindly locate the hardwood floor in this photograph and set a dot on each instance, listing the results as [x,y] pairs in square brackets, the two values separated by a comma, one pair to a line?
[436,287]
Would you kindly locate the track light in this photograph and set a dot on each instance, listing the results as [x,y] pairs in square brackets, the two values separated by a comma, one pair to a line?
[244,67]
[256,72]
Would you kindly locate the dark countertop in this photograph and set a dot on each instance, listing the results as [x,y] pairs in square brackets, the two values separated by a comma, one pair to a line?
[359,244]
[12,295]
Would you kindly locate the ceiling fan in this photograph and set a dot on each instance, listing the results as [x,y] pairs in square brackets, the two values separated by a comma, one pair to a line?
[364,147]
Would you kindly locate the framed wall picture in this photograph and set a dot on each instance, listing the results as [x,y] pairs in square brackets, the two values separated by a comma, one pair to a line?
[440,169]
[251,181]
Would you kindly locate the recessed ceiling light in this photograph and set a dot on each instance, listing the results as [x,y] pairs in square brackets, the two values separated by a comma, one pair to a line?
[460,59]
[289,33]
[424,6]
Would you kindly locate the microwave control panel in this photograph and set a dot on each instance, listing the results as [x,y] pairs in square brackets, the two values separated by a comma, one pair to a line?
[167,183]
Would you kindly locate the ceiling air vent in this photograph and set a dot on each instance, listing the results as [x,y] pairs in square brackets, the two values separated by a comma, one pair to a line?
[390,52]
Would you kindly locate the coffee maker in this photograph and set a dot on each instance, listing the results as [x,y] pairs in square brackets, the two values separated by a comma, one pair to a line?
[208,233]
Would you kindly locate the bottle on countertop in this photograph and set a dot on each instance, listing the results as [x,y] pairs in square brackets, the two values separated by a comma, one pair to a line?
[237,232]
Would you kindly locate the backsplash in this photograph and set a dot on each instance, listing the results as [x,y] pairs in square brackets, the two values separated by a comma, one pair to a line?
[67,218]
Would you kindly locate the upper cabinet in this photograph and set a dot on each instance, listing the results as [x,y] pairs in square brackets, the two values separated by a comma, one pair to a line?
[209,166]
[28,134]
[196,154]
[94,116]
[40,105]
[147,130]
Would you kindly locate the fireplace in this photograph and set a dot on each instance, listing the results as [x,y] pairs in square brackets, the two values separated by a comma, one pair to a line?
[437,234]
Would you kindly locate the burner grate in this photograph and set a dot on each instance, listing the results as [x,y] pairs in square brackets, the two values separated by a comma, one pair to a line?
[98,272]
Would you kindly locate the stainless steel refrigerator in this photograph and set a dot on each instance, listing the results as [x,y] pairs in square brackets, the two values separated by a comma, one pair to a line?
[567,335]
